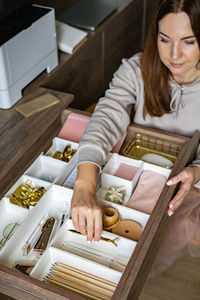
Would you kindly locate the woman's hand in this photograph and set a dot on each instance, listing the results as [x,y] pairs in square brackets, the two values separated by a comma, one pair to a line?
[188,177]
[85,211]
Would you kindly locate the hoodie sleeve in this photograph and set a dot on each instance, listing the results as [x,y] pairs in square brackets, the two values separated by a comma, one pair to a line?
[112,114]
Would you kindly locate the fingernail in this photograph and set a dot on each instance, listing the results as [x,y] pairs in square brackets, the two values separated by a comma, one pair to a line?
[171,205]
[169,182]
[96,242]
[170,213]
[89,242]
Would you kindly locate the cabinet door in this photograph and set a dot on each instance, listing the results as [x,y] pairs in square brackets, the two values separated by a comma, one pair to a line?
[122,38]
[149,7]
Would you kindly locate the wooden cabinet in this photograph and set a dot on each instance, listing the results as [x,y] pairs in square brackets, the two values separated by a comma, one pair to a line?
[122,38]
[148,10]
[81,74]
[16,284]
[88,71]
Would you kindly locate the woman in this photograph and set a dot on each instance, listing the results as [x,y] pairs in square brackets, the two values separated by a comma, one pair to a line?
[163,84]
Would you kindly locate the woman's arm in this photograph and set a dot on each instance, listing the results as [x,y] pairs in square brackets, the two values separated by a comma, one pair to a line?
[86,213]
[108,124]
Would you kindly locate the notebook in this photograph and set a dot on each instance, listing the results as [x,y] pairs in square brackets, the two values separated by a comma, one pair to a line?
[87,14]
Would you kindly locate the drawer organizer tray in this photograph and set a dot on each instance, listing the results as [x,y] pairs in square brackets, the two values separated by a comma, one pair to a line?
[121,262]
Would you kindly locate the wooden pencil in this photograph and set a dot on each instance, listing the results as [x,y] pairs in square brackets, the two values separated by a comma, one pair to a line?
[76,279]
[77,271]
[79,287]
[69,288]
[84,277]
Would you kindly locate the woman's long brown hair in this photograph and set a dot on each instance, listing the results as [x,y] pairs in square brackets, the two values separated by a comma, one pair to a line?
[155,75]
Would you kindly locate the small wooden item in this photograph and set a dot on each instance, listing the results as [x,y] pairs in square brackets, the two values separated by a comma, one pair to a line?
[36,105]
[128,229]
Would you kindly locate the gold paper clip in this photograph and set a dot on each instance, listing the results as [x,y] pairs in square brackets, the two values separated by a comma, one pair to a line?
[102,238]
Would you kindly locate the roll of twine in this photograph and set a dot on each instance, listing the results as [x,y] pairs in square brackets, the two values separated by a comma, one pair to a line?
[111,217]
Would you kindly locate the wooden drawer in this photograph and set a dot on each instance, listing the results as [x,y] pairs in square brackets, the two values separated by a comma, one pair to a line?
[20,286]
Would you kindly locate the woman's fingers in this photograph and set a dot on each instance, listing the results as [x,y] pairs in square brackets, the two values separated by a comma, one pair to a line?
[186,178]
[176,202]
[98,225]
[90,225]
[88,222]
[82,223]
[86,215]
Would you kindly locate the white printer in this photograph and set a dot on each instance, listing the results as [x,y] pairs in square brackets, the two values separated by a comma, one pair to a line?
[24,55]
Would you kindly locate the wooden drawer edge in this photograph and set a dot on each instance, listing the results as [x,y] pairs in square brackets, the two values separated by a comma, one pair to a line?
[141,261]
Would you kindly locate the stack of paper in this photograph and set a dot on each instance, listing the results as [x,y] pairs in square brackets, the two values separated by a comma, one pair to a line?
[69,38]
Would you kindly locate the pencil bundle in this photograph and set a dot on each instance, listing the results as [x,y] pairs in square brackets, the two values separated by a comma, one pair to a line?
[83,283]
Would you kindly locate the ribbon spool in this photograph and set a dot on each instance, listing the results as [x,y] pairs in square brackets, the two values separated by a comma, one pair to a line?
[111,217]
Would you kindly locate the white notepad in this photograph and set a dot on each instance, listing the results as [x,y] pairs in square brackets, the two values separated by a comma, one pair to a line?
[69,38]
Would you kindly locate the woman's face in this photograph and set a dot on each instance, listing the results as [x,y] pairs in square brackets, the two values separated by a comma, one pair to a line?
[178,47]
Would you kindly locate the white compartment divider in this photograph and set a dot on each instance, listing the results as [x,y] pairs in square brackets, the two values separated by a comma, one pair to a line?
[53,255]
[48,169]
[59,145]
[116,159]
[122,251]
[54,203]
[150,167]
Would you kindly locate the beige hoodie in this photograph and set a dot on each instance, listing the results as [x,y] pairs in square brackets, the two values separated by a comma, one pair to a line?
[112,114]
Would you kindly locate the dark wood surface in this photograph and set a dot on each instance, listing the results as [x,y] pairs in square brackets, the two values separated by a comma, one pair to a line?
[20,286]
[149,11]
[81,75]
[122,38]
[88,71]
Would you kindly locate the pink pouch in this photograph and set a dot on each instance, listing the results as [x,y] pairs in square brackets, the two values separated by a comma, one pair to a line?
[147,191]
[75,126]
